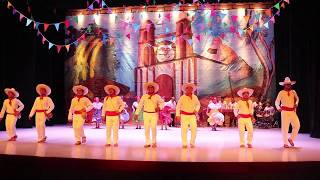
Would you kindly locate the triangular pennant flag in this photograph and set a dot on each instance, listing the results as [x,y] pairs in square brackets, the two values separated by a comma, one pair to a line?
[57,26]
[9,5]
[66,23]
[272,19]
[91,7]
[76,19]
[50,45]
[266,25]
[232,29]
[198,37]
[246,18]
[45,27]
[14,11]
[213,13]
[128,36]
[109,10]
[194,1]
[168,16]
[277,6]
[43,39]
[257,16]
[38,33]
[167,30]
[240,31]
[222,15]
[103,4]
[225,24]
[34,25]
[283,5]
[37,25]
[28,21]
[190,41]
[173,38]
[21,16]
[58,48]
[234,18]
[278,13]
[287,1]
[136,27]
[67,47]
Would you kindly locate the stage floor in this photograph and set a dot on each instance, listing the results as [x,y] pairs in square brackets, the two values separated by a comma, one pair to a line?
[211,146]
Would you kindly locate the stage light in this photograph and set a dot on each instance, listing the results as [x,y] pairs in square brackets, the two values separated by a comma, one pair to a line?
[97,19]
[80,19]
[241,12]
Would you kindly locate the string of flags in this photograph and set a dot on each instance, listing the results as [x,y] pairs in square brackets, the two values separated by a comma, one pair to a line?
[136,26]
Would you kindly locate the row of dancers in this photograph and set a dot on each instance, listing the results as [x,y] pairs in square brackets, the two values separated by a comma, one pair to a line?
[148,109]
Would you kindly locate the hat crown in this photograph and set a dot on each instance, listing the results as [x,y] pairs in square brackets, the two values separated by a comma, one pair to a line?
[287,79]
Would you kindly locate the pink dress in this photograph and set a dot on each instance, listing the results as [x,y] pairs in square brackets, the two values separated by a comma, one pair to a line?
[165,116]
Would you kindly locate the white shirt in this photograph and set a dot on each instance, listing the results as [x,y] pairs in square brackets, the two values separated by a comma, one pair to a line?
[112,104]
[187,104]
[214,106]
[42,104]
[149,104]
[78,104]
[171,104]
[284,100]
[97,105]
[16,105]
[242,108]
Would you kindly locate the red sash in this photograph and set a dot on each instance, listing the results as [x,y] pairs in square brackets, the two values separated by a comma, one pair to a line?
[41,110]
[187,113]
[78,112]
[285,108]
[245,115]
[112,113]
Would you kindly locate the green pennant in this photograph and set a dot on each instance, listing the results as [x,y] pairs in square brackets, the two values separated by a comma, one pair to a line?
[75,18]
[277,6]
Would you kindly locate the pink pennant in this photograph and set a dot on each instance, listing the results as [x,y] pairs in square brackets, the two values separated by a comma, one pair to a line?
[234,18]
[34,25]
[213,13]
[43,39]
[272,19]
[198,37]
[58,48]
[45,26]
[287,1]
[38,33]
[168,16]
[128,36]
[283,5]
[232,29]
[278,13]
[21,16]
[67,23]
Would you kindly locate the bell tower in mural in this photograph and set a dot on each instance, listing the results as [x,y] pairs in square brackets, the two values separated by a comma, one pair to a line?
[165,61]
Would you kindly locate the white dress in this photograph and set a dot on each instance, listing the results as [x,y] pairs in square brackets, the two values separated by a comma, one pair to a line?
[215,117]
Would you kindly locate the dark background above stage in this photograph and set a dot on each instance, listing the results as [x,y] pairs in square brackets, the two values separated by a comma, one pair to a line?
[25,62]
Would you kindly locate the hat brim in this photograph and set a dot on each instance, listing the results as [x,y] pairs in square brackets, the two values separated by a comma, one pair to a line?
[116,88]
[85,89]
[241,91]
[155,85]
[291,83]
[184,86]
[47,88]
[7,90]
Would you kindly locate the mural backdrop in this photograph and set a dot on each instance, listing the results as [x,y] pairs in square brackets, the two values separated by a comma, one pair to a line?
[219,50]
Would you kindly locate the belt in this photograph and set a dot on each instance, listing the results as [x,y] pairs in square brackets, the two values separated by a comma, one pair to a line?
[112,113]
[11,114]
[78,112]
[245,115]
[187,113]
[149,112]
[41,110]
[285,108]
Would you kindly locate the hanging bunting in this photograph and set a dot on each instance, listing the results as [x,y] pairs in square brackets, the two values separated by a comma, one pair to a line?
[57,26]
[50,45]
[58,48]
[67,47]
[45,27]
[277,6]
[28,22]
[266,25]
[128,36]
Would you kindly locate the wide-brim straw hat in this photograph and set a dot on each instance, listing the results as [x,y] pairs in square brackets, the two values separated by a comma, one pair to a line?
[115,88]
[43,86]
[155,86]
[241,91]
[287,81]
[85,89]
[7,90]
[184,86]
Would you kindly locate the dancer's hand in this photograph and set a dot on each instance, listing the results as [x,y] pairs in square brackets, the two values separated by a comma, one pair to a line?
[178,118]
[29,118]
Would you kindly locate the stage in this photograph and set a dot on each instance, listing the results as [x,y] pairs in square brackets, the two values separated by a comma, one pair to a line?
[217,154]
[211,146]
